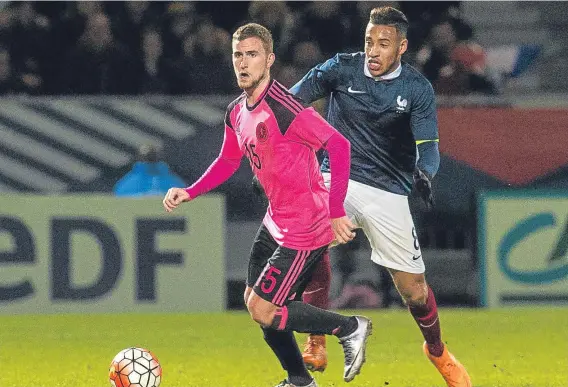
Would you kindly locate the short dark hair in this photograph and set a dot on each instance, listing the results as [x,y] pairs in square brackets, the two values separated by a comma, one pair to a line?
[254,30]
[390,16]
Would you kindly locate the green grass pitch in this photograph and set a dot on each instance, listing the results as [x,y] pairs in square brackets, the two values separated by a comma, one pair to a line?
[514,347]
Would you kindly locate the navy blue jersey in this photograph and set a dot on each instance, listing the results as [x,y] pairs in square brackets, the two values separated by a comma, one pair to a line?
[390,122]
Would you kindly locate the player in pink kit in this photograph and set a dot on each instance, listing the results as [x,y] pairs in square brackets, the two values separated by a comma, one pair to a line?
[280,137]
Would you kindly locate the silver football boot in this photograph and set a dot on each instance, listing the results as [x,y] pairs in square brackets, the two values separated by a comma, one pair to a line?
[354,348]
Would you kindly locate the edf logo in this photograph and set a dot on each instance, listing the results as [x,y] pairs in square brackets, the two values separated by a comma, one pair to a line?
[62,231]
[98,253]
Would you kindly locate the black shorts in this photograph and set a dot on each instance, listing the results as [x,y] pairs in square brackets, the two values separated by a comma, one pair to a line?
[279,274]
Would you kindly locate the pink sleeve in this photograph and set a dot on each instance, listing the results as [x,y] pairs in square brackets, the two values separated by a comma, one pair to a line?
[224,166]
[310,128]
[339,151]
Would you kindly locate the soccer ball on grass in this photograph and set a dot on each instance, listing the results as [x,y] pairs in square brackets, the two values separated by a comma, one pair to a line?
[135,367]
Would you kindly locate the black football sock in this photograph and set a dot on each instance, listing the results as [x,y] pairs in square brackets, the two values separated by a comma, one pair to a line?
[285,347]
[299,317]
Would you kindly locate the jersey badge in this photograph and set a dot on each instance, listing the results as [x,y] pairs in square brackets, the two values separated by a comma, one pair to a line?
[261,132]
[401,104]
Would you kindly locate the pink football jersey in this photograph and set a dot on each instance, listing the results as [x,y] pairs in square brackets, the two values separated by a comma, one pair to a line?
[280,137]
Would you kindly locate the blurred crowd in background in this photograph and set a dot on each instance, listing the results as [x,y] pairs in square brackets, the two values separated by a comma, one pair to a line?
[177,48]
[139,47]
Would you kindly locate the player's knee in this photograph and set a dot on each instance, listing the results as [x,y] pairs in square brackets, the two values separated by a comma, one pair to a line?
[259,312]
[261,317]
[412,288]
[415,295]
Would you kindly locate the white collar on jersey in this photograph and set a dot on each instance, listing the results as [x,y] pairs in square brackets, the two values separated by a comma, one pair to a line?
[387,77]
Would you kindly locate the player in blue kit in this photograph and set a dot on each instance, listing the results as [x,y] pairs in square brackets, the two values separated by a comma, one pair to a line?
[387,110]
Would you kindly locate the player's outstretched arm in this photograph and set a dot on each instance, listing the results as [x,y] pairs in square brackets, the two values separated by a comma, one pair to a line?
[174,197]
[222,168]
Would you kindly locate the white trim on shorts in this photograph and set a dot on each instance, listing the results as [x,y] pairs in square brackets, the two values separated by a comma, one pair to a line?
[387,222]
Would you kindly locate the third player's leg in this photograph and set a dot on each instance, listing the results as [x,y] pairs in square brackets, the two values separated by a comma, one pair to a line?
[317,294]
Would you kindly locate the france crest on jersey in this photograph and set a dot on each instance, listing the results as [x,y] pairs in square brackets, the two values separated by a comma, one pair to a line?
[385,119]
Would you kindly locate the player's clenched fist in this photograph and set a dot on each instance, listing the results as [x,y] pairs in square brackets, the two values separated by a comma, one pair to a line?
[174,197]
[343,229]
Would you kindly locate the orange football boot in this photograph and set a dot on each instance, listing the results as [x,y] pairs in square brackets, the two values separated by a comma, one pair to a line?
[452,370]
[315,354]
